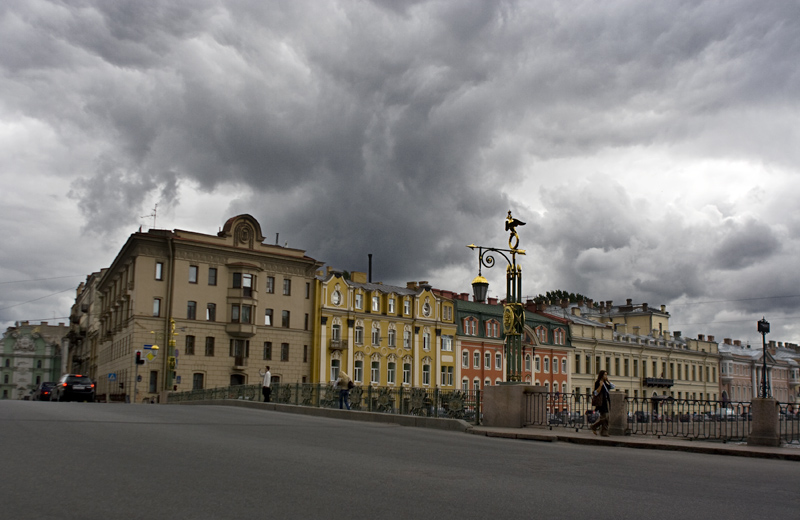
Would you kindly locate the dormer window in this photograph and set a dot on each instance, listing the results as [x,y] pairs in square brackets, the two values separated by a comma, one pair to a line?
[376,303]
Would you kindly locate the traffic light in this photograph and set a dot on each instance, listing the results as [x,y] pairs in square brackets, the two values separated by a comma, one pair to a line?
[139,360]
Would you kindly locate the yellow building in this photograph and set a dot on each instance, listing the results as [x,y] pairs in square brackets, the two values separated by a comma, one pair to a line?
[219,307]
[642,356]
[382,335]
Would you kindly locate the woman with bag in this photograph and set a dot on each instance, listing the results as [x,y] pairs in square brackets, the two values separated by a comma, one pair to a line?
[600,400]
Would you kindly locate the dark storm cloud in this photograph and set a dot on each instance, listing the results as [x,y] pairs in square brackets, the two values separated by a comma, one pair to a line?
[404,129]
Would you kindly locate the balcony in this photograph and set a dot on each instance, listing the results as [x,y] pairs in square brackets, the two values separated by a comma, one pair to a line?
[239,362]
[658,381]
[241,330]
[338,344]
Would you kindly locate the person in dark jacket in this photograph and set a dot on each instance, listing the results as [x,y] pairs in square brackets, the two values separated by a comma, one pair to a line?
[602,387]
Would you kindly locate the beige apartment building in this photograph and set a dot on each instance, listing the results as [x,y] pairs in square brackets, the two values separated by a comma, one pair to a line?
[634,344]
[218,307]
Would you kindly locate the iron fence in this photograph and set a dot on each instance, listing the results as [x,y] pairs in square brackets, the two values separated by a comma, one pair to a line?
[724,421]
[423,402]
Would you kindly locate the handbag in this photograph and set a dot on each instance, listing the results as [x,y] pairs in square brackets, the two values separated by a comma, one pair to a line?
[597,400]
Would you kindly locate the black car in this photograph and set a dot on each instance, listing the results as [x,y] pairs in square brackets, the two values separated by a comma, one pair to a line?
[74,387]
[43,391]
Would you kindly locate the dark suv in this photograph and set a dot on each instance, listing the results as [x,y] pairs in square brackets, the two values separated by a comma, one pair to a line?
[74,387]
[43,391]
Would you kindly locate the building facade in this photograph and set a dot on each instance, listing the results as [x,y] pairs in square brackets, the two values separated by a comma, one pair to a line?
[218,307]
[642,356]
[30,354]
[383,335]
[741,371]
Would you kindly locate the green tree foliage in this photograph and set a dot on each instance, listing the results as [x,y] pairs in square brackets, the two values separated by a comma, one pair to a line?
[558,295]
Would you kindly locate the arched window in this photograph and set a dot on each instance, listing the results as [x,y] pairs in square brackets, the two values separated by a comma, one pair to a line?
[465,359]
[528,362]
[546,365]
[476,359]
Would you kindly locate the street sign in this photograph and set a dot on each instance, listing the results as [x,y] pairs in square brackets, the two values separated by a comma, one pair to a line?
[112,376]
[149,347]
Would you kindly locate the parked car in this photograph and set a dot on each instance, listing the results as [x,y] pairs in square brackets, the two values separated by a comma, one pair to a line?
[74,387]
[43,391]
[724,414]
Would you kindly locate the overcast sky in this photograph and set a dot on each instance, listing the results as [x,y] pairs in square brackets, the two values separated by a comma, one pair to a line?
[651,147]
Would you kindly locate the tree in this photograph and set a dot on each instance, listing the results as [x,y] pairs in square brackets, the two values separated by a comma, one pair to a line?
[558,295]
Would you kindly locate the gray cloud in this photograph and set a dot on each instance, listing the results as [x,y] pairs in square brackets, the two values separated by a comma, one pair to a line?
[405,129]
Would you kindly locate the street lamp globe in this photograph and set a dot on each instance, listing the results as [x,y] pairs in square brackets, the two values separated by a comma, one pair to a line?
[480,286]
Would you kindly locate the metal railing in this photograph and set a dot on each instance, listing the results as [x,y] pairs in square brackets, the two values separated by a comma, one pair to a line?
[422,402]
[684,418]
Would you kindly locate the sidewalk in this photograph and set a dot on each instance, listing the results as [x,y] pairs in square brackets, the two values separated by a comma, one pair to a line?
[791,452]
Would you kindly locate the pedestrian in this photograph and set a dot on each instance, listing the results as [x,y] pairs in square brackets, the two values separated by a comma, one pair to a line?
[344,384]
[602,386]
[265,385]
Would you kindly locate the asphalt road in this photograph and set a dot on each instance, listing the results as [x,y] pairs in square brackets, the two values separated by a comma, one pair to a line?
[116,461]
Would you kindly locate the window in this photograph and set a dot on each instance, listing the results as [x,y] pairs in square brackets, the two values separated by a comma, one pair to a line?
[245,282]
[447,376]
[308,290]
[359,301]
[211,312]
[447,313]
[191,310]
[197,381]
[406,373]
[375,372]
[359,335]
[564,365]
[541,333]
[210,346]
[636,368]
[159,270]
[476,359]
[241,313]
[189,345]
[376,303]
[392,338]
[616,367]
[268,350]
[578,364]
[536,364]
[239,348]
[447,343]
[407,339]
[153,382]
[305,353]
[287,287]
[335,364]
[156,307]
[546,364]
[426,375]
[192,274]
[376,334]
[284,352]
[271,284]
[558,336]
[391,305]
[305,322]
[358,372]
[406,306]
[487,360]
[212,276]
[555,365]
[336,332]
[498,361]
[268,317]
[426,340]
[285,319]
[476,385]
[390,373]
[465,384]
[465,359]
[627,367]
[528,362]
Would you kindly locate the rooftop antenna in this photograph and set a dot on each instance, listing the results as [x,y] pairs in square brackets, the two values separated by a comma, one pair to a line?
[153,214]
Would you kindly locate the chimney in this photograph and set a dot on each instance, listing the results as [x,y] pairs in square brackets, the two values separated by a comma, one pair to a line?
[411,285]
[608,304]
[581,303]
[576,311]
[564,303]
[465,296]
[711,339]
[677,334]
[645,307]
[629,301]
[492,301]
[737,342]
[771,344]
[663,308]
[726,341]
[701,337]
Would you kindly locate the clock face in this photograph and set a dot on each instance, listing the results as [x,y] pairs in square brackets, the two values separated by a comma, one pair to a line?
[426,309]
[508,320]
[336,298]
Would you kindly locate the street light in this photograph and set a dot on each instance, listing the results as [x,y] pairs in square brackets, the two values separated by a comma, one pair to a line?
[513,312]
[763,328]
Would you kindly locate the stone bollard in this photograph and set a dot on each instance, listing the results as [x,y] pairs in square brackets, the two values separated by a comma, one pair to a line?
[765,430]
[504,405]
[617,416]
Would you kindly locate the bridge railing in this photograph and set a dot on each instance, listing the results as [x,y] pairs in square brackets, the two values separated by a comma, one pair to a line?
[423,402]
[700,419]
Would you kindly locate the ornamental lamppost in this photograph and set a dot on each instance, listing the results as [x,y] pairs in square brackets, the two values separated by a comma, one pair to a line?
[763,328]
[513,312]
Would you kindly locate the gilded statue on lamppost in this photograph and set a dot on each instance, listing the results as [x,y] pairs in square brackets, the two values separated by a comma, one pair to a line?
[513,311]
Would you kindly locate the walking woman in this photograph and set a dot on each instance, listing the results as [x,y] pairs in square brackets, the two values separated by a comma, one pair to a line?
[602,387]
